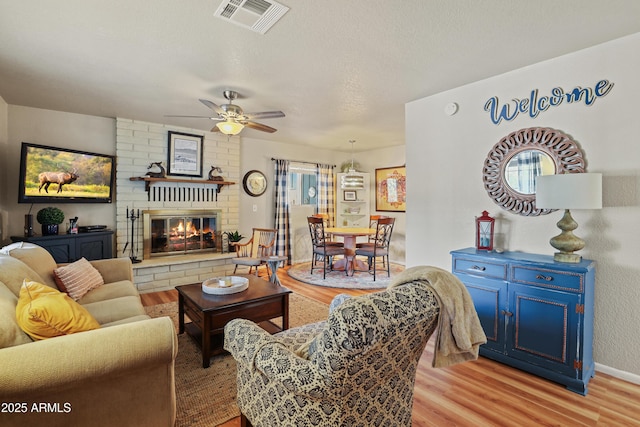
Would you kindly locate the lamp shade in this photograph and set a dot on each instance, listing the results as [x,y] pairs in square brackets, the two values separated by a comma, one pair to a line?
[230,127]
[569,191]
[352,180]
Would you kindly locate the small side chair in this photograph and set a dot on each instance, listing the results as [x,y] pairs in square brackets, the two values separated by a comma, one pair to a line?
[250,254]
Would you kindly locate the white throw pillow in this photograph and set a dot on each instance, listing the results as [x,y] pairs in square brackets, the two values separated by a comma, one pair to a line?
[78,278]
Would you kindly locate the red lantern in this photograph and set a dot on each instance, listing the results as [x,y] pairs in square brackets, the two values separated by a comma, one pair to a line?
[484,232]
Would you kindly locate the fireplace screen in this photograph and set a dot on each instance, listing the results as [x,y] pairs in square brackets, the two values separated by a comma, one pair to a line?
[180,231]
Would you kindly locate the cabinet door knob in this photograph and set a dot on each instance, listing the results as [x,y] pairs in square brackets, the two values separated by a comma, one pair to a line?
[545,278]
[477,267]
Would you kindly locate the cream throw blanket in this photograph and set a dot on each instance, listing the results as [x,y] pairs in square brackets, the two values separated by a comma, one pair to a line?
[459,331]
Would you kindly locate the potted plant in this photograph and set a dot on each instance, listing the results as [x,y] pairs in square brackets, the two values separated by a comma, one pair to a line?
[233,237]
[50,217]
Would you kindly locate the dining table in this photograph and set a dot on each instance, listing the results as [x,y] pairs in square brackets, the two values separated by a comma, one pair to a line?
[349,236]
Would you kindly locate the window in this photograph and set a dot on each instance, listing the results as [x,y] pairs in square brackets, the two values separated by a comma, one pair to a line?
[302,186]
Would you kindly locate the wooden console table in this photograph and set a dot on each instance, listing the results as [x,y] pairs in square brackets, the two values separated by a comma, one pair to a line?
[71,247]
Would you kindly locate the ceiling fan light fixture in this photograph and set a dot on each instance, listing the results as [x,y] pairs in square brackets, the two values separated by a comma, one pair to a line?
[230,127]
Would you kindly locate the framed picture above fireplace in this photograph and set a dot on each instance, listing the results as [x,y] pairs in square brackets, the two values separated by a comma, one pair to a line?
[184,154]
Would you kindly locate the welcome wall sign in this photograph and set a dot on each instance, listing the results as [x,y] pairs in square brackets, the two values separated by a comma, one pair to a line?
[535,104]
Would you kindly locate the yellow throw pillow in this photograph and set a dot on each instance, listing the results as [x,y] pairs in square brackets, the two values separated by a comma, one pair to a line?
[44,312]
[78,278]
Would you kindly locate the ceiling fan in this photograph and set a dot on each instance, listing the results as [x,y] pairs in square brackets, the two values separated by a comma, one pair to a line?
[232,119]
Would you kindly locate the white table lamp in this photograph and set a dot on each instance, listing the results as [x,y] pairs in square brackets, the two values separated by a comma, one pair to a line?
[568,191]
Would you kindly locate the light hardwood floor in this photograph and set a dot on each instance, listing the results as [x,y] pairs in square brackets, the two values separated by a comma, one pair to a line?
[486,393]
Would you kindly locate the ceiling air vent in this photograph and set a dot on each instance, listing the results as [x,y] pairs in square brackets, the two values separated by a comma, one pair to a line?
[257,15]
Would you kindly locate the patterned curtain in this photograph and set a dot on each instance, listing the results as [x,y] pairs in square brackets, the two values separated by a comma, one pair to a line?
[324,182]
[283,237]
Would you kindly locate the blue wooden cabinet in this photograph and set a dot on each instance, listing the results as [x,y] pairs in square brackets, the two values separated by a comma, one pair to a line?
[537,313]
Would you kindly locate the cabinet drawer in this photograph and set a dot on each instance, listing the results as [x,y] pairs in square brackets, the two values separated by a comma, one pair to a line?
[548,278]
[195,315]
[482,268]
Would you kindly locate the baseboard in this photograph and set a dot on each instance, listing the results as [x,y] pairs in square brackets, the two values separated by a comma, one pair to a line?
[623,375]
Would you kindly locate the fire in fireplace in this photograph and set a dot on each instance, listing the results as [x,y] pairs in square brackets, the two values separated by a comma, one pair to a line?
[177,232]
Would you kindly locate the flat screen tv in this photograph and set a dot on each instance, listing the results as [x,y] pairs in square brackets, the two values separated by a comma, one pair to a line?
[59,175]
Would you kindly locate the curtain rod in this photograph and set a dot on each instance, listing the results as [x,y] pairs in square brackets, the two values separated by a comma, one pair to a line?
[300,161]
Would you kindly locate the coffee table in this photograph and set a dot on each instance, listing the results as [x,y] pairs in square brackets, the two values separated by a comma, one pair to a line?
[261,302]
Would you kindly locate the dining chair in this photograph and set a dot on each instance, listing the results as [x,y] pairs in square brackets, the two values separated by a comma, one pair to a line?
[250,254]
[379,247]
[321,248]
[329,237]
[373,223]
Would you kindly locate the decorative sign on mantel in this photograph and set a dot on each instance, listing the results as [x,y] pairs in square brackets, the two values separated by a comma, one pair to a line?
[535,104]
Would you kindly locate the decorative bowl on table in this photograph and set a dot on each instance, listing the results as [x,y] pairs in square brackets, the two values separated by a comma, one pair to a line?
[225,285]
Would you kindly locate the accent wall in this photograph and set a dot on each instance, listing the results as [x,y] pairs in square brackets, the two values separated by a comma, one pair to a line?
[445,156]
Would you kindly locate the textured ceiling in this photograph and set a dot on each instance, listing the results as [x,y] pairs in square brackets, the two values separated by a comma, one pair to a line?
[340,70]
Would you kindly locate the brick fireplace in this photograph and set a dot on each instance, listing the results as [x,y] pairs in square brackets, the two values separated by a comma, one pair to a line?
[180,232]
[137,145]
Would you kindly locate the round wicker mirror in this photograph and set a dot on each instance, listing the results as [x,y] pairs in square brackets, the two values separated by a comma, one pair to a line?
[513,164]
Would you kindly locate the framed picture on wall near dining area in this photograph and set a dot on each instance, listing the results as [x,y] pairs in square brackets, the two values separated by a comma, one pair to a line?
[391,189]
[350,196]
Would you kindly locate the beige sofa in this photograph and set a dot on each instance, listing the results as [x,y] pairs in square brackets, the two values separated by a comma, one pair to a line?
[121,374]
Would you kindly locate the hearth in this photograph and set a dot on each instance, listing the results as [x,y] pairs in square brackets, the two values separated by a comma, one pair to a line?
[180,231]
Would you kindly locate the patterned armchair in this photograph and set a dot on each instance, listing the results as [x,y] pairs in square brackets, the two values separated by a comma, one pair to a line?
[357,368]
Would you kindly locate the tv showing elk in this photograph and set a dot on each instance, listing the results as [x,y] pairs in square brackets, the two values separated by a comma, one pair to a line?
[51,174]
[60,178]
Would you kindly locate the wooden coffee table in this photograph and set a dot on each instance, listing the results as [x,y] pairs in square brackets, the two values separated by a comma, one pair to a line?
[260,303]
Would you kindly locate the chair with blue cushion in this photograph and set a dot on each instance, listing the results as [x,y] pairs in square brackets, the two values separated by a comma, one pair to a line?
[379,248]
[322,248]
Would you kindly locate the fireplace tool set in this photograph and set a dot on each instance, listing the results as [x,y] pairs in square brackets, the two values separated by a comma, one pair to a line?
[132,216]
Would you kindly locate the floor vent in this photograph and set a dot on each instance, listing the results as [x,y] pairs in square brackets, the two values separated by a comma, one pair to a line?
[257,15]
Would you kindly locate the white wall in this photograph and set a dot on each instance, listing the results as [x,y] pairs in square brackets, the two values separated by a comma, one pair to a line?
[445,156]
[58,129]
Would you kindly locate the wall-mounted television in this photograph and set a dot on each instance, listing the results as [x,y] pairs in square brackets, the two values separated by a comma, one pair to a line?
[60,175]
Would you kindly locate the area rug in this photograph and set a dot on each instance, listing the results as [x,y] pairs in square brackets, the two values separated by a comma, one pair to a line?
[207,397]
[337,279]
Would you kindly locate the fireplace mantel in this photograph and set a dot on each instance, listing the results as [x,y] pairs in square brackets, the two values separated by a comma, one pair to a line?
[149,181]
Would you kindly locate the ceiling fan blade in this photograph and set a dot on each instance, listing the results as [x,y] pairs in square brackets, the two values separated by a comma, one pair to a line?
[215,129]
[259,126]
[265,115]
[195,117]
[213,106]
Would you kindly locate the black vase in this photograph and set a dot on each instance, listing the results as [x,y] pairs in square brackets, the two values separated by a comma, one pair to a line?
[49,229]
